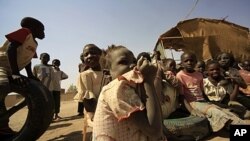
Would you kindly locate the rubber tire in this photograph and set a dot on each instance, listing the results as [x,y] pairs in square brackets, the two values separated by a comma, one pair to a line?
[186,127]
[40,111]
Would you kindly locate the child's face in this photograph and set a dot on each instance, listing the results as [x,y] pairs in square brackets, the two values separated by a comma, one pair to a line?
[56,63]
[91,56]
[200,67]
[246,65]
[45,59]
[122,61]
[224,60]
[188,62]
[213,70]
[171,65]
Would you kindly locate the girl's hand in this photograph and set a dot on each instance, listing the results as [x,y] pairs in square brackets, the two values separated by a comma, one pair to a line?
[147,69]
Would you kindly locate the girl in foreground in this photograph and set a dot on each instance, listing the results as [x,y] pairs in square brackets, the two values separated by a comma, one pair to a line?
[128,108]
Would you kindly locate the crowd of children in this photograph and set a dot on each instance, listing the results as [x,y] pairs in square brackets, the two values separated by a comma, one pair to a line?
[127,98]
[135,101]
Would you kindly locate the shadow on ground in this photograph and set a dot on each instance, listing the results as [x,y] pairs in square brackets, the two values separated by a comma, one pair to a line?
[59,126]
[73,136]
[70,118]
[56,123]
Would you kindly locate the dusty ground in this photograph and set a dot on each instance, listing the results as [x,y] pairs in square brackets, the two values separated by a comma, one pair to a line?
[69,128]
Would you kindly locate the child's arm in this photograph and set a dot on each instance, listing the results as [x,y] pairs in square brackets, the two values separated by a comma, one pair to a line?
[16,77]
[12,55]
[234,93]
[236,78]
[64,75]
[151,123]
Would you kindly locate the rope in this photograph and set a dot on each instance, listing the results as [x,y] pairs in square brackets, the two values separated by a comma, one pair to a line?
[191,10]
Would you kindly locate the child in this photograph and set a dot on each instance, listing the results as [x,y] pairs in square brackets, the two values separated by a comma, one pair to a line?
[170,87]
[245,74]
[44,72]
[15,55]
[169,65]
[157,62]
[128,108]
[58,76]
[226,61]
[191,83]
[244,96]
[215,88]
[219,93]
[81,68]
[200,67]
[89,82]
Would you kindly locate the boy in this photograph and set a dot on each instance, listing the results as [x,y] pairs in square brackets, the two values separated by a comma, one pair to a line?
[58,76]
[44,71]
[16,54]
[245,74]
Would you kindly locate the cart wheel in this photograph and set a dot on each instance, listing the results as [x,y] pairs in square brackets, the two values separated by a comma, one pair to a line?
[40,111]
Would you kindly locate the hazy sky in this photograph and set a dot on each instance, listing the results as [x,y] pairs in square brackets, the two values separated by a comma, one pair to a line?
[136,24]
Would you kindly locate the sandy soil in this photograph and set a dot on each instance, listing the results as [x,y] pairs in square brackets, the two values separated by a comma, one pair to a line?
[69,128]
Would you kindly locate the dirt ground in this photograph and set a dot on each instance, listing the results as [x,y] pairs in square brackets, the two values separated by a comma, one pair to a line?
[69,128]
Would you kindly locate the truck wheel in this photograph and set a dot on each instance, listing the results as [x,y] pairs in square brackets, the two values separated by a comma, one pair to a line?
[40,111]
[186,128]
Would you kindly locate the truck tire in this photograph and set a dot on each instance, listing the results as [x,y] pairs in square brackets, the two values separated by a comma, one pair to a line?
[40,111]
[186,127]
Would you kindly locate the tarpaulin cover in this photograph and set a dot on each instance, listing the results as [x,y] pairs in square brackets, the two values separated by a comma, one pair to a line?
[207,38]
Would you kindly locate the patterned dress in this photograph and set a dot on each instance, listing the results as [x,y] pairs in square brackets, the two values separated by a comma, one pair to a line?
[117,101]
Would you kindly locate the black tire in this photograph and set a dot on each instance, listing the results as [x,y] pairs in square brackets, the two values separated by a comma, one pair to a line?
[40,111]
[186,128]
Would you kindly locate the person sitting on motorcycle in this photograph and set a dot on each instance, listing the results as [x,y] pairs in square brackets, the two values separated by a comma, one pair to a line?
[15,55]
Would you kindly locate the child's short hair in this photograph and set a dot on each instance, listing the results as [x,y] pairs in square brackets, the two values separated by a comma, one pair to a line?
[99,51]
[29,22]
[43,54]
[188,53]
[230,55]
[56,61]
[144,54]
[210,62]
[108,52]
